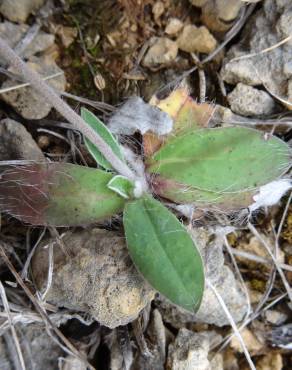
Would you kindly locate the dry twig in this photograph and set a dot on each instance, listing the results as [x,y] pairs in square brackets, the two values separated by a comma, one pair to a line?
[13,331]
[41,311]
[47,92]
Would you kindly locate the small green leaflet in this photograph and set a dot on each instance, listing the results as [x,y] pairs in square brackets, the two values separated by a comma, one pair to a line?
[105,134]
[121,185]
[164,252]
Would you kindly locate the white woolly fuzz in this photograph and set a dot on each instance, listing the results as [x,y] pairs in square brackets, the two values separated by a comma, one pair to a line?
[138,189]
[270,194]
[186,210]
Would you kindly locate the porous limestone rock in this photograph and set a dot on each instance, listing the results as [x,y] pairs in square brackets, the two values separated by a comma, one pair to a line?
[13,33]
[218,15]
[162,52]
[266,28]
[17,143]
[249,101]
[97,277]
[38,349]
[27,101]
[19,10]
[190,351]
[173,26]
[196,40]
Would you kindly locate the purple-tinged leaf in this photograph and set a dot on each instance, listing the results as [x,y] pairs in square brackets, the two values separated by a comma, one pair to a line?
[57,194]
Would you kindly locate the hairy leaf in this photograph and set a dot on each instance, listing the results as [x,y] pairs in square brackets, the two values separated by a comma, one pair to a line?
[164,252]
[105,134]
[58,194]
[122,186]
[212,163]
[202,199]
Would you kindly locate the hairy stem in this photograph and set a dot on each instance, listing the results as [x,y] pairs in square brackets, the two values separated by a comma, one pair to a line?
[63,108]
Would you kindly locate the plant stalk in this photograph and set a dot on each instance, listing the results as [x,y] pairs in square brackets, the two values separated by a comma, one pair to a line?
[35,80]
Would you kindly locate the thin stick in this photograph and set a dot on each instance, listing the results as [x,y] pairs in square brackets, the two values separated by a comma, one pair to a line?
[50,271]
[24,271]
[232,323]
[268,249]
[247,56]
[229,250]
[283,218]
[13,331]
[95,104]
[27,39]
[40,310]
[259,259]
[249,320]
[20,86]
[202,79]
[47,92]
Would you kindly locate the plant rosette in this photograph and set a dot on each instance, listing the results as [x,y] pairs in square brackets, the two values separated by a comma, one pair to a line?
[215,169]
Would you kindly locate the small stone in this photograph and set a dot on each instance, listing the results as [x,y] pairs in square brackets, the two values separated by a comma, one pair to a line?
[13,34]
[173,26]
[190,351]
[156,332]
[196,39]
[163,51]
[242,70]
[158,10]
[17,143]
[287,69]
[230,360]
[255,247]
[73,363]
[96,277]
[255,296]
[67,34]
[27,101]
[290,91]
[271,361]
[198,3]
[43,141]
[38,349]
[18,11]
[270,24]
[218,15]
[284,24]
[276,317]
[40,43]
[217,362]
[228,10]
[248,101]
[250,340]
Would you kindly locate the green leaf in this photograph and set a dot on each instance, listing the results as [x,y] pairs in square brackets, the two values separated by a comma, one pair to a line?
[164,252]
[187,115]
[212,162]
[105,134]
[58,194]
[202,199]
[121,185]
